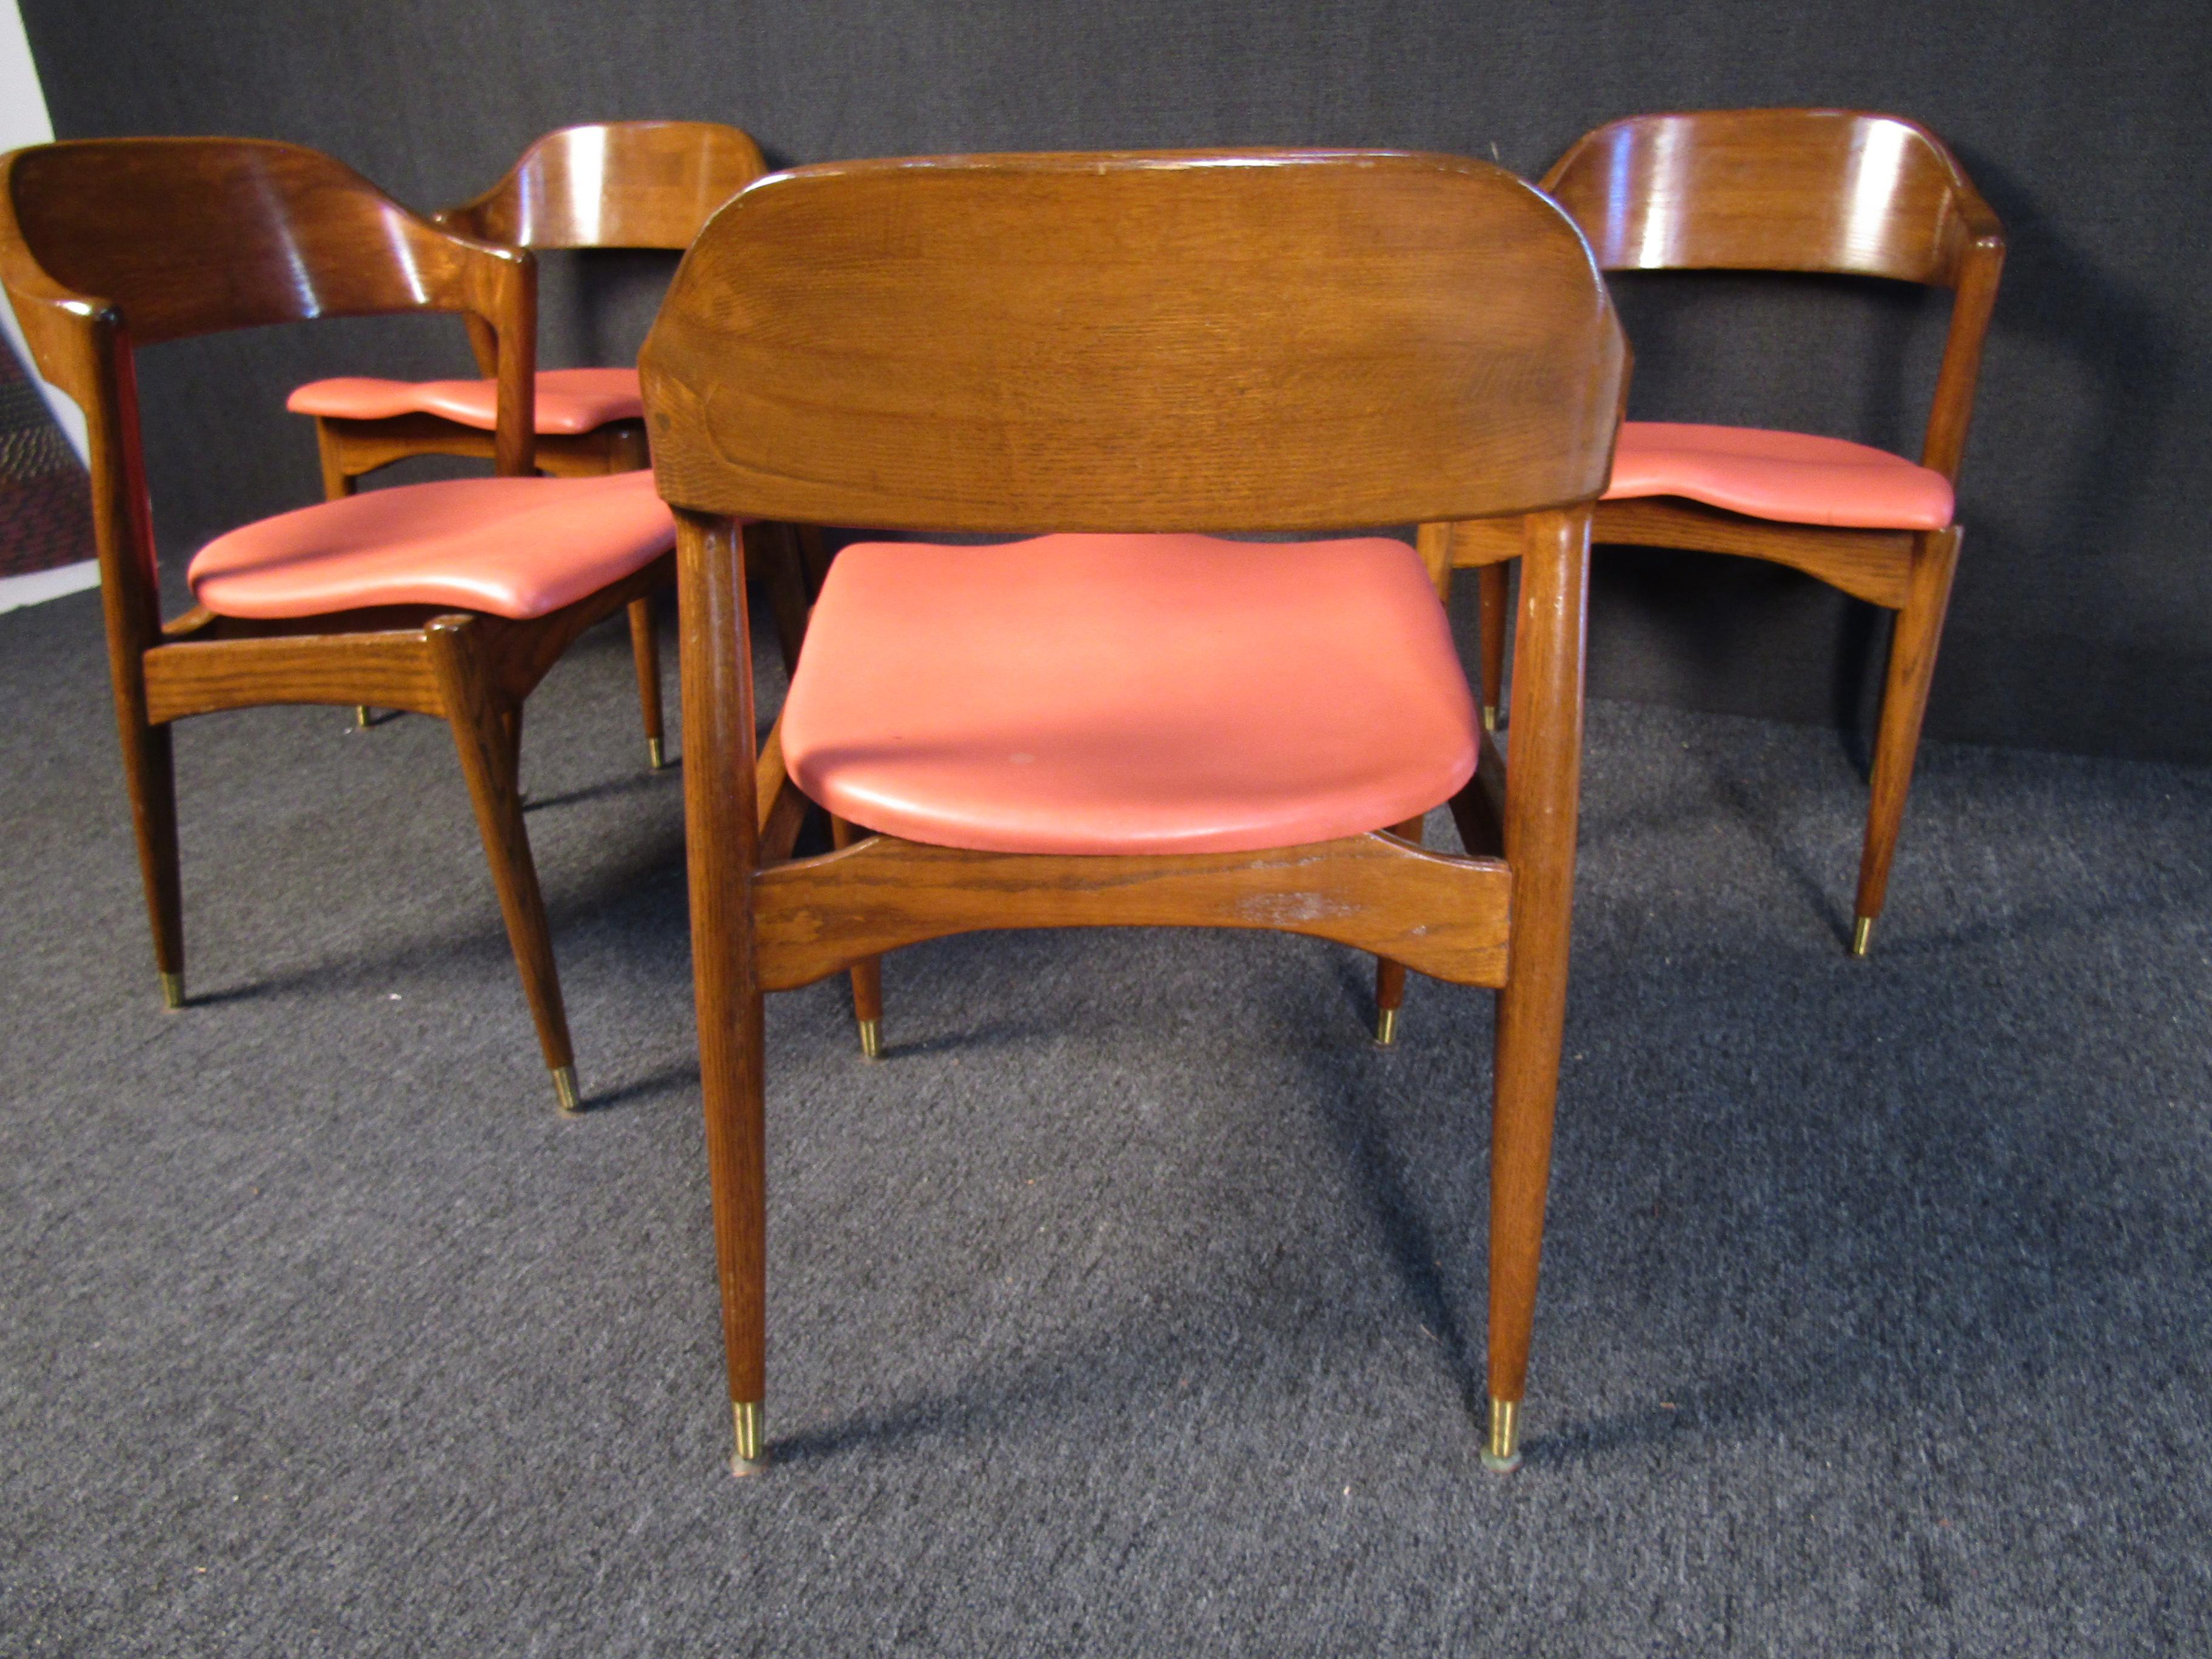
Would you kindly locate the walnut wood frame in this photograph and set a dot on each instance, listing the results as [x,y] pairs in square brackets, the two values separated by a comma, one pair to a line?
[1321,300]
[1833,190]
[104,248]
[608,185]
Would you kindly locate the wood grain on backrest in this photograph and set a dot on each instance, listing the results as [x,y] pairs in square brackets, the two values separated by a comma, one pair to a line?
[618,184]
[1768,190]
[1272,341]
[110,244]
[191,236]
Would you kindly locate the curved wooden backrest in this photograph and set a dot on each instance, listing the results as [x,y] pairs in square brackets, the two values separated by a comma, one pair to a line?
[1235,341]
[617,183]
[110,244]
[1772,190]
[189,236]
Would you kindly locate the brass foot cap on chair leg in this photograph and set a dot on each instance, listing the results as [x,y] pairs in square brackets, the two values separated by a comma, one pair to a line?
[564,1085]
[872,1039]
[1862,931]
[1502,1455]
[360,716]
[1490,717]
[172,992]
[653,754]
[748,1456]
[1386,1027]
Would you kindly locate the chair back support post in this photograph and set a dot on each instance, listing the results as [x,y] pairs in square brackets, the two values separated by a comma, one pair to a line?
[1981,263]
[721,828]
[123,515]
[77,343]
[514,355]
[1543,794]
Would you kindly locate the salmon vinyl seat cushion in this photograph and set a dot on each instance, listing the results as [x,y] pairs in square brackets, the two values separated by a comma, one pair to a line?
[1792,477]
[1123,694]
[569,401]
[512,547]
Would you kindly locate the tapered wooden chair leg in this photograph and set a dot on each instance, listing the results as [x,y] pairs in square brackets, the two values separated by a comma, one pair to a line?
[644,648]
[1543,792]
[149,773]
[1390,976]
[868,975]
[1530,1023]
[487,733]
[1493,588]
[1389,997]
[868,1005]
[736,1164]
[1912,646]
[720,839]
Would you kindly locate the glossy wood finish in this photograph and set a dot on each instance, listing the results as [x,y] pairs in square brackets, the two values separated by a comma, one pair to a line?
[109,245]
[1791,190]
[1261,342]
[611,184]
[1542,796]
[1105,439]
[1815,190]
[721,816]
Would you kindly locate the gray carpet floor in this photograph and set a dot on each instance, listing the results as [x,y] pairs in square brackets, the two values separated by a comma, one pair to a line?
[1134,1305]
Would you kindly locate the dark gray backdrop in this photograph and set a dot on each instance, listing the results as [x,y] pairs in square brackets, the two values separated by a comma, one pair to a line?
[2083,615]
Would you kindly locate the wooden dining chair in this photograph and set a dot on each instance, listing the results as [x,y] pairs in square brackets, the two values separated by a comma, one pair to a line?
[611,184]
[1808,190]
[1131,721]
[451,599]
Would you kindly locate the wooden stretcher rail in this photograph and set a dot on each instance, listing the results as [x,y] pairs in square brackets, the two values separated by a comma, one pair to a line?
[1437,913]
